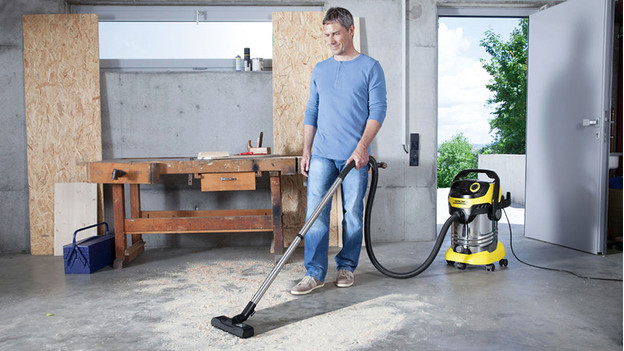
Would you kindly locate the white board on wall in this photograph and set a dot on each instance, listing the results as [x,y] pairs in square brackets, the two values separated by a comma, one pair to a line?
[75,207]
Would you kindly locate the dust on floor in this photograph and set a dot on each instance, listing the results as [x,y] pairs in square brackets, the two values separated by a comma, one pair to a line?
[203,291]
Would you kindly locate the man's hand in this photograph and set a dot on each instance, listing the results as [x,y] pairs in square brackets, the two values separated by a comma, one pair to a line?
[360,156]
[308,138]
[305,164]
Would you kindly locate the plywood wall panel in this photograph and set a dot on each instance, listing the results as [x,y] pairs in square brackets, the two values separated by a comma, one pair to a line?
[63,121]
[298,44]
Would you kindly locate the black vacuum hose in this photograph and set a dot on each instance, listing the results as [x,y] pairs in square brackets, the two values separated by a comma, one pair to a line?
[369,247]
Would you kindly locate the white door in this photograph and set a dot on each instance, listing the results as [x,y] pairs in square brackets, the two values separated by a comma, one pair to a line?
[568,103]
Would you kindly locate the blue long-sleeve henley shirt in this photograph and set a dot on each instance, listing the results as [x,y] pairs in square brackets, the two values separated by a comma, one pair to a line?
[344,95]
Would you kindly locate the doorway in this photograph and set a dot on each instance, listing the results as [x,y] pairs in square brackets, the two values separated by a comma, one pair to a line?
[567,130]
[481,118]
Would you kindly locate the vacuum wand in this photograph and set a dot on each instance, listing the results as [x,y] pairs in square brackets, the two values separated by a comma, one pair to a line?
[236,325]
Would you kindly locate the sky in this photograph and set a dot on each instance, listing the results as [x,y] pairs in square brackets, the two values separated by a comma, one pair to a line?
[462,94]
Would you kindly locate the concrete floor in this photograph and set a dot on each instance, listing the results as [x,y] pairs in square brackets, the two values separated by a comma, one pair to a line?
[165,299]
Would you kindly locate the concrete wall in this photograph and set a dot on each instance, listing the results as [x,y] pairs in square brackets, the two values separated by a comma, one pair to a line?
[511,170]
[172,114]
[180,114]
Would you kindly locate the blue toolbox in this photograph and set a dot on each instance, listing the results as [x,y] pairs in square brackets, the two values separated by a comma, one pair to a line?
[90,254]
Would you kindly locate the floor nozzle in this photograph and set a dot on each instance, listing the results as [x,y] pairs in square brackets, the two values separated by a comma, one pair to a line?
[227,324]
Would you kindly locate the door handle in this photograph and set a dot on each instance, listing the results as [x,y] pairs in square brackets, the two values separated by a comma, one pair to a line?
[590,122]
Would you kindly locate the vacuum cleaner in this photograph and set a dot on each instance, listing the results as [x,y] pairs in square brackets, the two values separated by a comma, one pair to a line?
[474,236]
[464,208]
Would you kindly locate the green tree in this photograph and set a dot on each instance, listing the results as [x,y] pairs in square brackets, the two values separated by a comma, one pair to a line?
[454,156]
[508,68]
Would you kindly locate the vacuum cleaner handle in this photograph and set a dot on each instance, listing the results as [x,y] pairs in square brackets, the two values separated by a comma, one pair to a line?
[495,213]
[346,170]
[487,172]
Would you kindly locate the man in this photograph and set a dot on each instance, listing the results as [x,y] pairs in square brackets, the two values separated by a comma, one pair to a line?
[346,109]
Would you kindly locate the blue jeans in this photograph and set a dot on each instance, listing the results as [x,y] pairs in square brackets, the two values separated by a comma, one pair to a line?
[322,174]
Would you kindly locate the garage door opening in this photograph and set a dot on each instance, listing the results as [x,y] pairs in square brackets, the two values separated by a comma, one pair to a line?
[481,94]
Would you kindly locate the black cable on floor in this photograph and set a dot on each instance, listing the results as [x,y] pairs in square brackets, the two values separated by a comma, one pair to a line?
[546,268]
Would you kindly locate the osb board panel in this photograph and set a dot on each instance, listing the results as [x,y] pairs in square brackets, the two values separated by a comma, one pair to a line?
[298,44]
[62,98]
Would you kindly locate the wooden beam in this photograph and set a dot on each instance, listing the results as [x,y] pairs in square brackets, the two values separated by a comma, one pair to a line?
[199,224]
[212,213]
[135,208]
[277,246]
[135,250]
[119,209]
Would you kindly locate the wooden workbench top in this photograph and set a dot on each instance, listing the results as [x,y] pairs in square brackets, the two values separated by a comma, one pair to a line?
[149,169]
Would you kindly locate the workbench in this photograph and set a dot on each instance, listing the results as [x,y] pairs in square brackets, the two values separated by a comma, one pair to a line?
[233,173]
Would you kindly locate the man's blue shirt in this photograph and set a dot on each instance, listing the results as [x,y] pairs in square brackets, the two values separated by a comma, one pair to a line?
[344,95]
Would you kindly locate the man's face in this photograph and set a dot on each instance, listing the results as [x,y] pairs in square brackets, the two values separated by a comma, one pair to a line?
[338,37]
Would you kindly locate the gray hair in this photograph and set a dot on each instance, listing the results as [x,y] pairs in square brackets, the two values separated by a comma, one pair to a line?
[340,15]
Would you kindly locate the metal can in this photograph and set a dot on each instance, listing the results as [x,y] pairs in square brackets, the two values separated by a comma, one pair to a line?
[257,64]
[239,65]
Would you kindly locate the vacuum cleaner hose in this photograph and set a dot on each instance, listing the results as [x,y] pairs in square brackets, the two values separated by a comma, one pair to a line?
[367,237]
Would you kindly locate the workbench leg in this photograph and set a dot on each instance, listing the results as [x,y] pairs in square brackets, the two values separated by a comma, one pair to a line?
[138,244]
[119,214]
[276,205]
[135,208]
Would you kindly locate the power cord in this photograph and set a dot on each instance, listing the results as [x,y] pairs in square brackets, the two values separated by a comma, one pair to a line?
[547,268]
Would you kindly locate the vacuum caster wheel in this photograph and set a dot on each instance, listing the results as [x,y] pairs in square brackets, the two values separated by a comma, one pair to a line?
[503,262]
[490,267]
[461,266]
[450,263]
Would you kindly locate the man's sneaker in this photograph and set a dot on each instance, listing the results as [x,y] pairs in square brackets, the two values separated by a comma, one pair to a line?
[344,278]
[306,285]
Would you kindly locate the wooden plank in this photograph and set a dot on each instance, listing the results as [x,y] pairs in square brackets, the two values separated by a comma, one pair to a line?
[228,181]
[119,213]
[101,215]
[199,224]
[207,155]
[212,213]
[336,217]
[135,250]
[277,245]
[298,44]
[134,173]
[62,105]
[135,207]
[75,207]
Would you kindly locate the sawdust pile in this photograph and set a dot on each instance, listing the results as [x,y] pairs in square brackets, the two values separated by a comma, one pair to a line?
[193,295]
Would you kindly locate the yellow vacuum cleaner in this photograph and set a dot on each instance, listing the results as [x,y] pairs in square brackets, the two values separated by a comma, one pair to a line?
[474,235]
